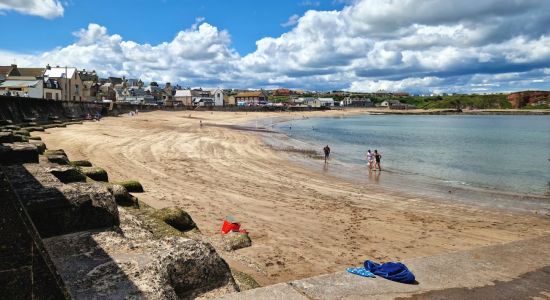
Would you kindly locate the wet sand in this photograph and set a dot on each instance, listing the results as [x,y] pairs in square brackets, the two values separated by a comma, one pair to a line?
[302,222]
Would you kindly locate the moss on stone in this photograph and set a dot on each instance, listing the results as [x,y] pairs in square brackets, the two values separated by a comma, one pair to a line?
[96,173]
[80,163]
[22,132]
[133,186]
[33,128]
[122,197]
[244,281]
[157,227]
[21,138]
[55,152]
[57,159]
[236,240]
[176,217]
[68,174]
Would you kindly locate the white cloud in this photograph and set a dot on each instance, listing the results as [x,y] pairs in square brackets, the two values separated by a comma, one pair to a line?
[48,9]
[292,20]
[368,45]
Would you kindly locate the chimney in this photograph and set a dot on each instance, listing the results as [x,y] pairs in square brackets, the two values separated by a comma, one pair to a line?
[48,67]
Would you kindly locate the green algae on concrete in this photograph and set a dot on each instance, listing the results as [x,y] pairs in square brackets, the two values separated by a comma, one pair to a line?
[80,163]
[133,186]
[244,281]
[68,174]
[122,197]
[55,152]
[156,226]
[176,217]
[95,173]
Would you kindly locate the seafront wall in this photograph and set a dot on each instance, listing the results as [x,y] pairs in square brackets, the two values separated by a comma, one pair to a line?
[19,110]
[68,232]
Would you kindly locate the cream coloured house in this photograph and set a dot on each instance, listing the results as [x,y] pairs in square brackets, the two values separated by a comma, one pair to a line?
[69,81]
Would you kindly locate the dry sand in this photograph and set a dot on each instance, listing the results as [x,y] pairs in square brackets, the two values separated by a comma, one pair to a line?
[302,222]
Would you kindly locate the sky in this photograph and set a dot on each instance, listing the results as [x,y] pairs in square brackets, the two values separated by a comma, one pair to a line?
[417,46]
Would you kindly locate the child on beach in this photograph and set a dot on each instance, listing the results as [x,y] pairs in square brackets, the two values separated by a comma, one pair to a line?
[377,157]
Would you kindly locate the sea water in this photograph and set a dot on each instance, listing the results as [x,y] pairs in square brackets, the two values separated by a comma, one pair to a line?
[494,152]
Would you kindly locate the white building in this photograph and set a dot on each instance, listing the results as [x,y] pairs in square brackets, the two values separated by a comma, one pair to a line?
[24,88]
[218,97]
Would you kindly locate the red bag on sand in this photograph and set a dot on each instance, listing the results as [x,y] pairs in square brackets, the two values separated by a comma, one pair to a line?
[229,224]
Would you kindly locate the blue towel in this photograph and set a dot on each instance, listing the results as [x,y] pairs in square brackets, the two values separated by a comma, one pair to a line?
[360,271]
[392,270]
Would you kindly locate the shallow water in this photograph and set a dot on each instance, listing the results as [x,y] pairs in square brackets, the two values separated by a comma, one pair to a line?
[498,153]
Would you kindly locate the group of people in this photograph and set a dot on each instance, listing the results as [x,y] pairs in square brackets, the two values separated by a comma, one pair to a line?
[373,158]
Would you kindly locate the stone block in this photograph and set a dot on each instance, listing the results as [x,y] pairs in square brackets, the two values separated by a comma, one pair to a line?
[176,217]
[236,240]
[56,208]
[18,153]
[67,174]
[130,263]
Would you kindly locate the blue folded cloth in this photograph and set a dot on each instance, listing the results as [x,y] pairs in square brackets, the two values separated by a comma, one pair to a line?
[360,271]
[391,270]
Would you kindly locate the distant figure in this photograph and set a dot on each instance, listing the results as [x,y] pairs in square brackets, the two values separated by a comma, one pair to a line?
[327,152]
[137,111]
[200,123]
[377,157]
[370,159]
[26,95]
[98,116]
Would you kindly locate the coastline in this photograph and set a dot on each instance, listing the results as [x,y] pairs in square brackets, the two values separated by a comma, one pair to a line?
[405,183]
[302,222]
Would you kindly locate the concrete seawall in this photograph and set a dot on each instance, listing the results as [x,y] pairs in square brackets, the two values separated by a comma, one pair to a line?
[19,110]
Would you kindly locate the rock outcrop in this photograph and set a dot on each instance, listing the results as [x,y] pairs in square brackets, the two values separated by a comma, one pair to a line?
[521,99]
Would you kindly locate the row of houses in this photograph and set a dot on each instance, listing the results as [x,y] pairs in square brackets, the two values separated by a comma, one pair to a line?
[71,84]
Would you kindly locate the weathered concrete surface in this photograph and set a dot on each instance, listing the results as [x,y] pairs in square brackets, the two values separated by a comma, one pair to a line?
[519,270]
[130,263]
[18,153]
[56,208]
[26,271]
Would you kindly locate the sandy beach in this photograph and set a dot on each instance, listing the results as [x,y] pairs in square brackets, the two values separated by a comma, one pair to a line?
[302,222]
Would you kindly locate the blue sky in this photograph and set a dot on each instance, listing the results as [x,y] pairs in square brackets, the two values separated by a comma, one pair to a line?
[419,46]
[157,21]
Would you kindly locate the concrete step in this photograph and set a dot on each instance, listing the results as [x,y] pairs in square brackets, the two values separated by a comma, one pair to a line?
[516,270]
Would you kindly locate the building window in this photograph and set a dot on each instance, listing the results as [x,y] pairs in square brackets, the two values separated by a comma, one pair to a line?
[56,96]
[49,95]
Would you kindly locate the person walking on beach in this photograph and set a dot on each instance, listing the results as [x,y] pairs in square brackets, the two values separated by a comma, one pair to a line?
[327,152]
[370,159]
[377,157]
[201,123]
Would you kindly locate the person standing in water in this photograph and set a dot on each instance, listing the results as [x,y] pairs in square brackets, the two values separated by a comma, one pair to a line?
[370,159]
[327,152]
[377,157]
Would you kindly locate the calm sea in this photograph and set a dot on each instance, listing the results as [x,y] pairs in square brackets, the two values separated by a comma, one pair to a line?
[501,153]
